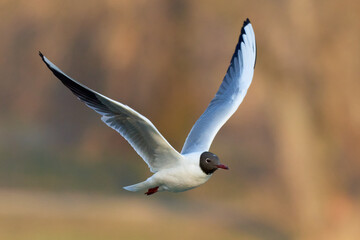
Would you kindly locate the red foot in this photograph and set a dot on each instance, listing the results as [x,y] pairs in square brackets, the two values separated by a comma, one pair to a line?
[152,190]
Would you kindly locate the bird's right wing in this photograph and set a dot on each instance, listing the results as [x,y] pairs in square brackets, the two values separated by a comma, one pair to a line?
[135,128]
[229,96]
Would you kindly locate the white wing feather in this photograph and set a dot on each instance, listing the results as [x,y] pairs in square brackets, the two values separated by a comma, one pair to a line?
[135,128]
[229,96]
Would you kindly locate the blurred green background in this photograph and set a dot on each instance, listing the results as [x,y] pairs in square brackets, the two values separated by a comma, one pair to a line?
[292,147]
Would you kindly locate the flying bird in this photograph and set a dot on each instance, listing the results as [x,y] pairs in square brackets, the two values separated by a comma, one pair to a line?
[174,171]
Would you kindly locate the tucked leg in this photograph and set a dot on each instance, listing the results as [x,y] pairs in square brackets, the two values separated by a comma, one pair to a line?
[152,190]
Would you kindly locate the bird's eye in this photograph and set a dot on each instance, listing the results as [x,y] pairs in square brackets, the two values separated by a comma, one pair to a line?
[207,160]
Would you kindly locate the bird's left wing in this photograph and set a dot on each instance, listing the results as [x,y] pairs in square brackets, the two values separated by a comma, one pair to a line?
[135,128]
[229,96]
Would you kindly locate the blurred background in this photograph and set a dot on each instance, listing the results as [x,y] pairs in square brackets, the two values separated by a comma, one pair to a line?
[292,147]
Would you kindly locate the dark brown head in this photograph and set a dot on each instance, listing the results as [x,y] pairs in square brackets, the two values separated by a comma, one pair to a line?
[209,163]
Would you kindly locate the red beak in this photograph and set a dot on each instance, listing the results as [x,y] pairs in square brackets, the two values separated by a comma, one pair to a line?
[222,166]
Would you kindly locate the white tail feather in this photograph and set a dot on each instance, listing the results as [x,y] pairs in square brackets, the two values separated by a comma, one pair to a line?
[138,187]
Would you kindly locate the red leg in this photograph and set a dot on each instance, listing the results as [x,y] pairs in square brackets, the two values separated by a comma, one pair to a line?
[152,190]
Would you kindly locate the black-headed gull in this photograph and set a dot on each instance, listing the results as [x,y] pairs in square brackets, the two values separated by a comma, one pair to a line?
[174,171]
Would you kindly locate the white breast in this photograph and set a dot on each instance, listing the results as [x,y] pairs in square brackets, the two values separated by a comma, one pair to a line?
[183,177]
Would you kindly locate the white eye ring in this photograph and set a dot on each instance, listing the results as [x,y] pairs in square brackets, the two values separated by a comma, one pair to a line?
[207,160]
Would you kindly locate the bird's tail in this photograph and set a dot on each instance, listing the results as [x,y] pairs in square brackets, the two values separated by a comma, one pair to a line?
[138,187]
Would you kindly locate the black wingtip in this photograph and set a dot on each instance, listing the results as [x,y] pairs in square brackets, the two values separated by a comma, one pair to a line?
[241,38]
[246,22]
[41,55]
[43,59]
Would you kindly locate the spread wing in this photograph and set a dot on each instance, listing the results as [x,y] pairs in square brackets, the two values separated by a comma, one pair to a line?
[229,96]
[135,128]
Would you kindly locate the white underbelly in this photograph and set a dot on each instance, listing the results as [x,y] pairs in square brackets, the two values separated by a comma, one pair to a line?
[180,179]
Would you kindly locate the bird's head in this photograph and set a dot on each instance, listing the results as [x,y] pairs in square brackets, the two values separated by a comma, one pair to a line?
[209,163]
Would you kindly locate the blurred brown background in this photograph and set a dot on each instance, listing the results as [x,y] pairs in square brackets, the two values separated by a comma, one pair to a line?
[292,147]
